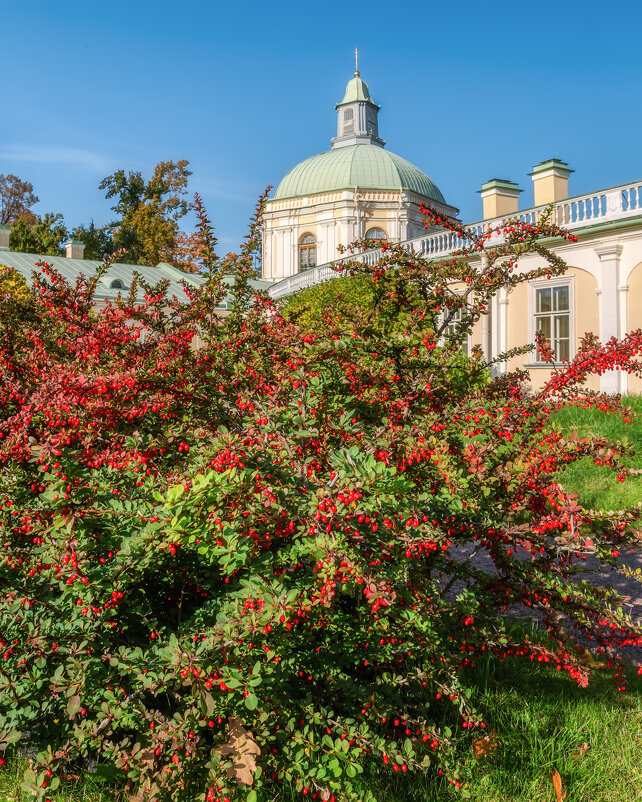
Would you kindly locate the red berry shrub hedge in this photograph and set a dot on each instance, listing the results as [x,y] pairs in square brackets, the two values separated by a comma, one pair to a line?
[237,553]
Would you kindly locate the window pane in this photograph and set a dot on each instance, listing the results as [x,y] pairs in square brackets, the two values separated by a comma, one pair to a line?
[543,324]
[375,233]
[543,300]
[560,298]
[562,350]
[561,327]
[306,239]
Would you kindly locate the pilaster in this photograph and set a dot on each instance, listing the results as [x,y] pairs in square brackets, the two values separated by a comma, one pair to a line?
[609,297]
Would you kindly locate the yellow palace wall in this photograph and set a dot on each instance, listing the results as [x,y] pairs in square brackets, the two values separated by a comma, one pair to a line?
[519,328]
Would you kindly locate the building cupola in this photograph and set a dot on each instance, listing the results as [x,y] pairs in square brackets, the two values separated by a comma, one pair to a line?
[357,122]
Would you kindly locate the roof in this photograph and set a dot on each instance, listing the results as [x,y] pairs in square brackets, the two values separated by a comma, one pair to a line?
[356,89]
[362,166]
[70,269]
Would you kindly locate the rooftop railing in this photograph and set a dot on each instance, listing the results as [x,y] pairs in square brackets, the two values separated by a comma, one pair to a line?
[604,206]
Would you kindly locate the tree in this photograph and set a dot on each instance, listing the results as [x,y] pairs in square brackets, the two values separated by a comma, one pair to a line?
[239,552]
[340,299]
[148,211]
[16,199]
[98,242]
[42,235]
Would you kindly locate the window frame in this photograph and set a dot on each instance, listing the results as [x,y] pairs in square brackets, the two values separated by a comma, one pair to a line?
[348,123]
[306,247]
[533,315]
[468,344]
[376,228]
[371,121]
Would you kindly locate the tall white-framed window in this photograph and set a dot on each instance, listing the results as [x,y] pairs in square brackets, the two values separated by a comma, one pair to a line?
[454,317]
[551,305]
[307,252]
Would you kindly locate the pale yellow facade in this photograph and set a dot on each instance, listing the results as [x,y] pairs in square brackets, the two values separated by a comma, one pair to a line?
[305,234]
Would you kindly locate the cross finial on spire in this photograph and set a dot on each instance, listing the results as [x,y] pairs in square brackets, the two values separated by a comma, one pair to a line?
[356,62]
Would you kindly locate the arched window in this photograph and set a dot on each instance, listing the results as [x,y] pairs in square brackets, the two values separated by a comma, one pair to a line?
[348,121]
[117,284]
[307,252]
[375,233]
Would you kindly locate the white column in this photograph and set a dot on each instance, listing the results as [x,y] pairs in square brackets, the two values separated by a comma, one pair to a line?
[623,327]
[502,303]
[494,334]
[278,265]
[326,251]
[267,251]
[609,303]
[289,264]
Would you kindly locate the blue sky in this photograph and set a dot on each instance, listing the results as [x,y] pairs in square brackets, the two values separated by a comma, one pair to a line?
[244,91]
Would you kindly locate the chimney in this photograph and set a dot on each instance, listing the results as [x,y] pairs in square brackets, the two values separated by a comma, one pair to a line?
[550,181]
[500,198]
[74,249]
[4,237]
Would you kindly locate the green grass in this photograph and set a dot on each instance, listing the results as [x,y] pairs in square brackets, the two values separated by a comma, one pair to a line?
[87,788]
[597,487]
[541,719]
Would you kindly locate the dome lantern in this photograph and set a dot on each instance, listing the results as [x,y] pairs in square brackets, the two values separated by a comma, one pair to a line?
[357,122]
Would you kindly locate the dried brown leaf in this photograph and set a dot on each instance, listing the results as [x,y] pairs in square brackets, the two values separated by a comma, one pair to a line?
[557,785]
[485,745]
[241,748]
[589,660]
[146,756]
[581,752]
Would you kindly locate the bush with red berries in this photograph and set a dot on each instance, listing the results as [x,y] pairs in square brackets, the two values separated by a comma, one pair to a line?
[237,552]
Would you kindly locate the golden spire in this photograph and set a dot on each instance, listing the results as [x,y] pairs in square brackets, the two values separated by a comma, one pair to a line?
[356,62]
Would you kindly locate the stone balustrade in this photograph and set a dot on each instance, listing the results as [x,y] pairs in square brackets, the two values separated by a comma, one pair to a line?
[605,206]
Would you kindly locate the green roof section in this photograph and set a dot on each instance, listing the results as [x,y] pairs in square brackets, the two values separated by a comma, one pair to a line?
[552,164]
[356,166]
[356,89]
[500,184]
[119,277]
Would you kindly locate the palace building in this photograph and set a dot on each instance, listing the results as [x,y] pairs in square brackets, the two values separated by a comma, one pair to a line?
[359,189]
[356,189]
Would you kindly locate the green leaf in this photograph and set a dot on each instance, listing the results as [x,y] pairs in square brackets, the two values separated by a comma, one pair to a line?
[251,702]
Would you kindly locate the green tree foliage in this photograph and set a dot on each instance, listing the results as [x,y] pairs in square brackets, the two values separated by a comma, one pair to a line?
[39,234]
[348,298]
[148,211]
[16,199]
[98,242]
[12,284]
[239,553]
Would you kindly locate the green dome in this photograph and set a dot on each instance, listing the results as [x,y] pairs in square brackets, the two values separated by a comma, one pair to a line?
[360,166]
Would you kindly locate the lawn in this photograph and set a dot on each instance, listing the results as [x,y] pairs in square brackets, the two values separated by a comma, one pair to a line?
[597,487]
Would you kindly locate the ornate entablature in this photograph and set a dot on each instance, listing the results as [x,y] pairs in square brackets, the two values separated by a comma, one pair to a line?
[356,188]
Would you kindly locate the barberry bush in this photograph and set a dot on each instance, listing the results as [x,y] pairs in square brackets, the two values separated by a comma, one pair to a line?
[239,552]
